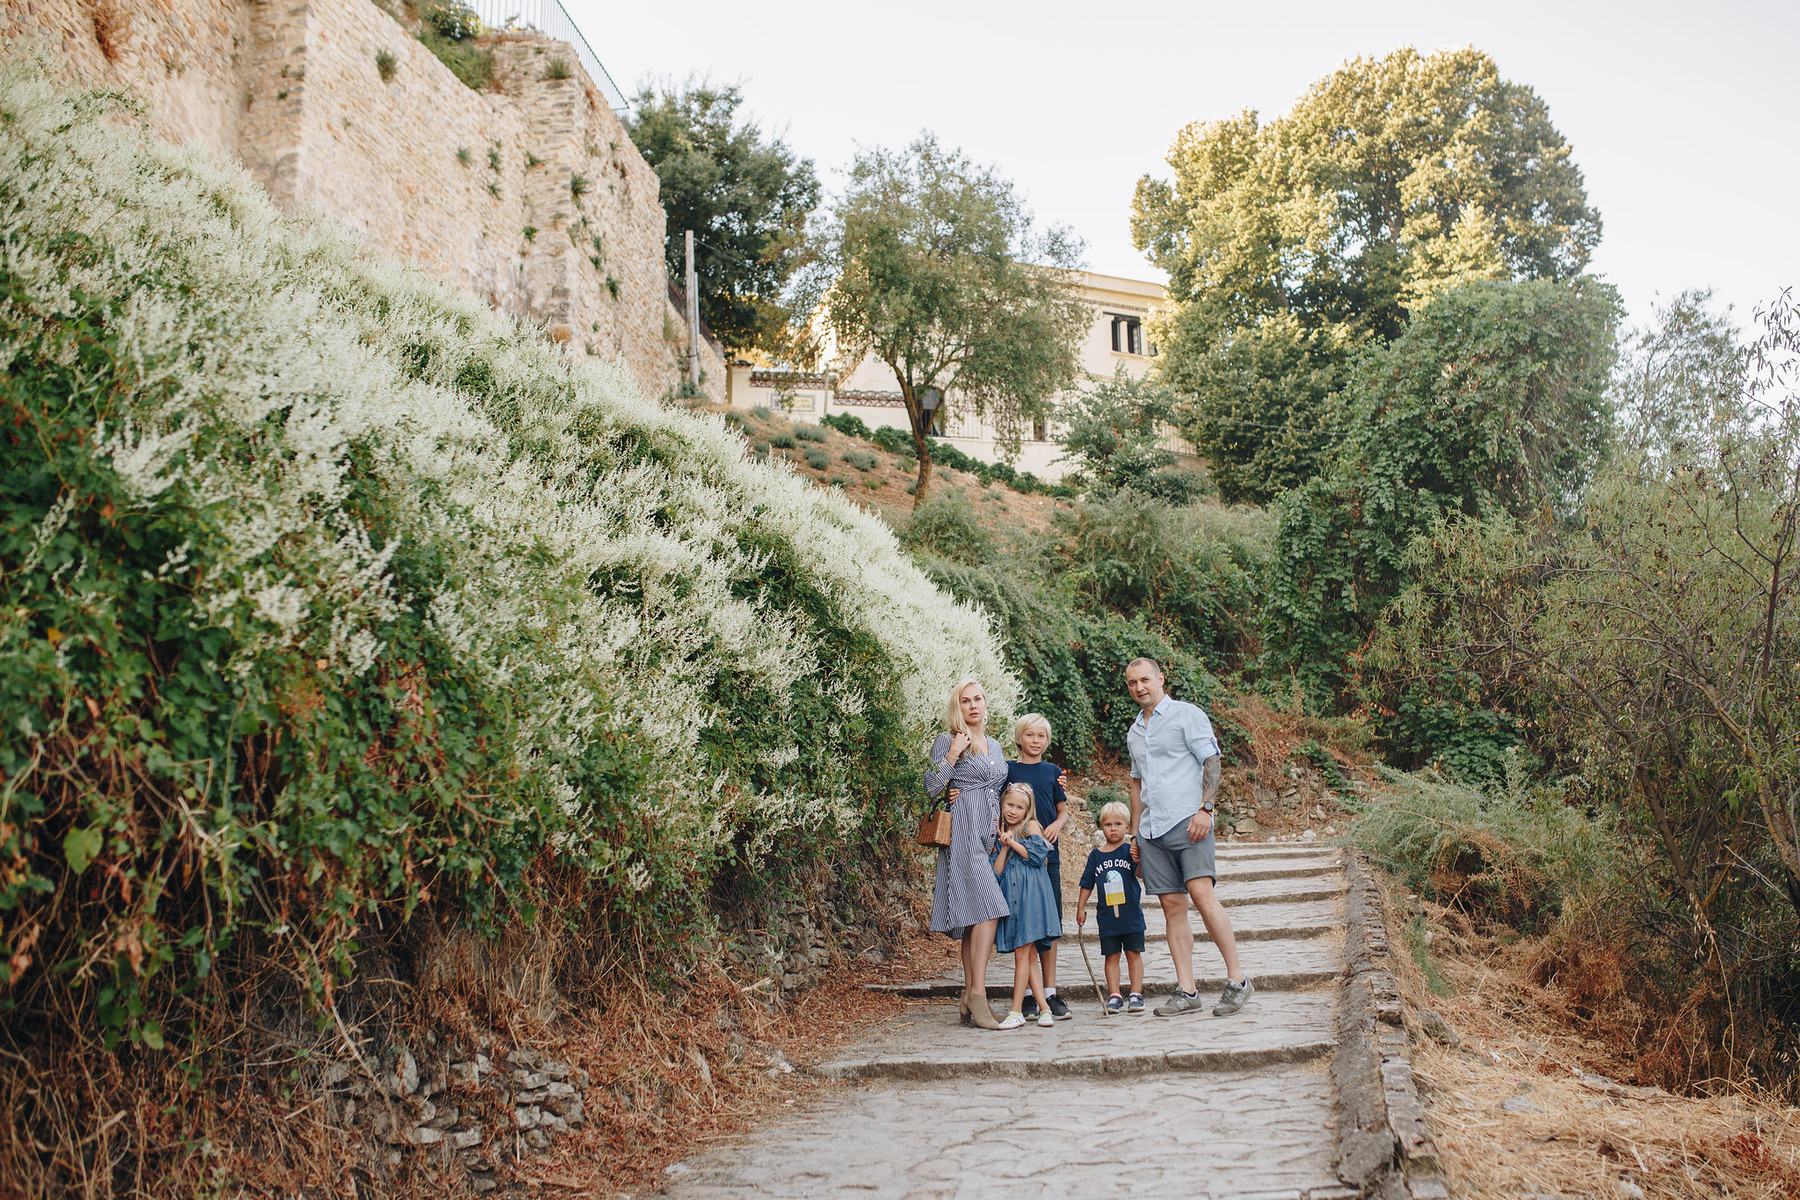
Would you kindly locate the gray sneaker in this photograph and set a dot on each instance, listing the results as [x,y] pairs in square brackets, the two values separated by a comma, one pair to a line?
[1236,996]
[1179,1004]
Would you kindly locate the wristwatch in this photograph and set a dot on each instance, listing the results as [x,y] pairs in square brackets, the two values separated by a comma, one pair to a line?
[1206,808]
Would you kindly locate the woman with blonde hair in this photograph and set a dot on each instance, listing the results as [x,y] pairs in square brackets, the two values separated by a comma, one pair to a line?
[968,903]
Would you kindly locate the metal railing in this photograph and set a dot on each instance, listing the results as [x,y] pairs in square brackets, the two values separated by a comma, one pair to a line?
[551,19]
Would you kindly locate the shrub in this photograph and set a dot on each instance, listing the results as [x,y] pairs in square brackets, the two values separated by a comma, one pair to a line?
[809,433]
[848,424]
[1114,429]
[557,68]
[579,186]
[1505,852]
[447,29]
[736,420]
[1198,572]
[450,19]
[331,595]
[760,412]
[1103,794]
[893,440]
[782,441]
[817,459]
[862,460]
[386,65]
[945,525]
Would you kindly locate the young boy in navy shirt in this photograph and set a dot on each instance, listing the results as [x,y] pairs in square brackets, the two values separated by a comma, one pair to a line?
[1120,916]
[1032,736]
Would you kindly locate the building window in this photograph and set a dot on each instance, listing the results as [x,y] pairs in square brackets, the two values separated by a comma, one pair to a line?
[1040,430]
[1127,334]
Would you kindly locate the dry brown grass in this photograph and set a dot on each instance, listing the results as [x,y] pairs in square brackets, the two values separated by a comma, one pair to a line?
[1590,1137]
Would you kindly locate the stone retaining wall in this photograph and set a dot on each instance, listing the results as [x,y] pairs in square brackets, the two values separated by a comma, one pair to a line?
[530,196]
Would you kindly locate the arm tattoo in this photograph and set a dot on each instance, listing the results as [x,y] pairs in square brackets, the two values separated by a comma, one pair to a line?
[1209,779]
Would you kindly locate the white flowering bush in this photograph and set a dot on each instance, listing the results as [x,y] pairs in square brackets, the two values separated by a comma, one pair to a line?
[328,593]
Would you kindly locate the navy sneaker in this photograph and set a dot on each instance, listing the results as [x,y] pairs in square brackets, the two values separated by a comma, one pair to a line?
[1031,1008]
[1135,1005]
[1114,1003]
[1058,1009]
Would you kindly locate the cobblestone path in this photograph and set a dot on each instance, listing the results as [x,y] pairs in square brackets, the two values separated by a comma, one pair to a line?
[1193,1107]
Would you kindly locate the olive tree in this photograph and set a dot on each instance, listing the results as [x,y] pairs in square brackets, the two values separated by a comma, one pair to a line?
[932,265]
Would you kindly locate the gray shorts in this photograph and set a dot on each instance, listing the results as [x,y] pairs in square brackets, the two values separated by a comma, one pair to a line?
[1171,860]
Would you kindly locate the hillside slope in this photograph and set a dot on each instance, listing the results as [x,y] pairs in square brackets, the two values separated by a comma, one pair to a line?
[330,597]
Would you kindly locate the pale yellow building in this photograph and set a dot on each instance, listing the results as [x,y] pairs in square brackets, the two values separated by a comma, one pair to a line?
[1118,335]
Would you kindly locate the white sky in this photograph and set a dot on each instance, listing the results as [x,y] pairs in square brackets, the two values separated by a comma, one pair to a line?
[1678,112]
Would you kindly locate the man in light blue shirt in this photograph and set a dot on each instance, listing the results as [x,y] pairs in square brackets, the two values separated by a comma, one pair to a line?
[1174,780]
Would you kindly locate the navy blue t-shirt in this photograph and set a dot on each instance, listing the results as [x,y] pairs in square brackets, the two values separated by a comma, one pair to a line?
[1045,781]
[1112,877]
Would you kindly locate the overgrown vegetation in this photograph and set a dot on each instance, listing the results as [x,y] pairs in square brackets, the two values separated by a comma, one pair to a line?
[450,29]
[334,604]
[1506,853]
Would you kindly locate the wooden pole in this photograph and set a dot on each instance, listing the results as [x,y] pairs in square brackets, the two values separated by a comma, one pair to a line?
[692,287]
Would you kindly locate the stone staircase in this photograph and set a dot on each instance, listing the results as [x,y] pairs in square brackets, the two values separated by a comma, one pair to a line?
[1195,1106]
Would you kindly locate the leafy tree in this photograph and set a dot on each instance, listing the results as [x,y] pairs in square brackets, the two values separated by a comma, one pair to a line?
[745,195]
[1492,401]
[1290,244]
[1647,650]
[1114,428]
[1679,384]
[931,264]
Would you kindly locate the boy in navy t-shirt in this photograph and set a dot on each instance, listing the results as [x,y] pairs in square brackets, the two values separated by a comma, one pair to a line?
[1121,917]
[1032,736]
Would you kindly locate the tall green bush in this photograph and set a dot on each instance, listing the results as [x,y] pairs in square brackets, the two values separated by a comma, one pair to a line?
[1114,428]
[1194,572]
[1491,401]
[326,595]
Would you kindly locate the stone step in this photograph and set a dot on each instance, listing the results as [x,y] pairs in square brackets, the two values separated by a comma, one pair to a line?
[1266,1133]
[1254,869]
[1250,922]
[1234,894]
[1277,965]
[1229,850]
[1277,1028]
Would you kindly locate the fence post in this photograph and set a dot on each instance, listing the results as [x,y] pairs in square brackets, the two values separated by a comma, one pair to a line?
[692,286]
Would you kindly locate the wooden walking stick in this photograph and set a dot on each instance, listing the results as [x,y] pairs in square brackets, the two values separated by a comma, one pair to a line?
[1099,992]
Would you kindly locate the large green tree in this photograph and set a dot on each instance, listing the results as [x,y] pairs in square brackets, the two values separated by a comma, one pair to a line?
[1492,402]
[746,196]
[932,264]
[1291,243]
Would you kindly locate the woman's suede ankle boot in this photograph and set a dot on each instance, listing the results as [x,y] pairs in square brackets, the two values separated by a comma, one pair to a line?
[979,1012]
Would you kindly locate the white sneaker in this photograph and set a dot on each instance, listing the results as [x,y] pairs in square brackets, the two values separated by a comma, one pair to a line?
[1046,1020]
[1013,1020]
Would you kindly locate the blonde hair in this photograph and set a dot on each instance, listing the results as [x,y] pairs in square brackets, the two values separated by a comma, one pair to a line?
[1030,805]
[953,718]
[1114,809]
[1027,723]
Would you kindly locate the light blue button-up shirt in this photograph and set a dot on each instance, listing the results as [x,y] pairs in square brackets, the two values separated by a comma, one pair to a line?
[1166,759]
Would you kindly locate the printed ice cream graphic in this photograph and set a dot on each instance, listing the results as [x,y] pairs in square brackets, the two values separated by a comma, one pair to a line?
[1115,889]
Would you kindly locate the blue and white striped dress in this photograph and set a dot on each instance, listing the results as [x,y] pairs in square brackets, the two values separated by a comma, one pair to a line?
[968,892]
